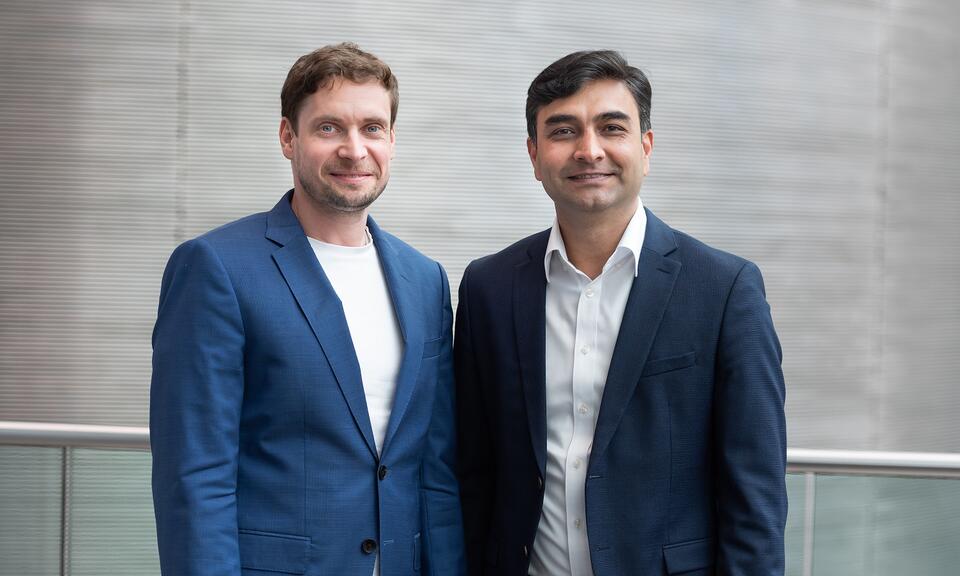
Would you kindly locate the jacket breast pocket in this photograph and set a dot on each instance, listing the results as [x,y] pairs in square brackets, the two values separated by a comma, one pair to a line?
[271,552]
[684,557]
[431,347]
[668,364]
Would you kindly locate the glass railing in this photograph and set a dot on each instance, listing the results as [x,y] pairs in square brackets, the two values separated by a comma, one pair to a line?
[873,513]
[75,500]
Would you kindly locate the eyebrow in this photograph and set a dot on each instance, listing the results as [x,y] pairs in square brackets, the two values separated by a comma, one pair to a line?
[560,119]
[612,115]
[377,120]
[323,119]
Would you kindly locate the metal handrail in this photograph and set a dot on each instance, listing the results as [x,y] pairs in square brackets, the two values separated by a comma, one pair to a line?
[73,435]
[873,463]
[799,460]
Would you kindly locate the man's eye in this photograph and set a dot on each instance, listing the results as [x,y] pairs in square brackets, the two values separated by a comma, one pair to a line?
[562,132]
[374,128]
[613,128]
[327,129]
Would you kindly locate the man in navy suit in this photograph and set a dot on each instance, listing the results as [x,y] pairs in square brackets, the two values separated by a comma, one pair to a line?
[619,390]
[302,408]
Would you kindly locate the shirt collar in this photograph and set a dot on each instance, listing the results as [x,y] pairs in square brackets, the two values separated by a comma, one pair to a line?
[631,241]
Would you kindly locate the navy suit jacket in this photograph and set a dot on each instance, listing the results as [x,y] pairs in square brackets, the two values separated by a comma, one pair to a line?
[686,473]
[264,459]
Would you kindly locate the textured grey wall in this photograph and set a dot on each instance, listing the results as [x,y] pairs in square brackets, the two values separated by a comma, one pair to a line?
[816,138]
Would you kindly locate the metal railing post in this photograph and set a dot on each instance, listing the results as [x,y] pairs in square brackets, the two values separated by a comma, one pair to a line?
[809,512]
[66,471]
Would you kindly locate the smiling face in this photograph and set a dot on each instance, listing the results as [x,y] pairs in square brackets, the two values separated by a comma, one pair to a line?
[590,153]
[341,149]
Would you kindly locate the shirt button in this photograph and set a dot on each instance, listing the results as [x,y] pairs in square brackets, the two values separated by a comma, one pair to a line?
[578,523]
[588,292]
[583,409]
[577,463]
[368,546]
[585,350]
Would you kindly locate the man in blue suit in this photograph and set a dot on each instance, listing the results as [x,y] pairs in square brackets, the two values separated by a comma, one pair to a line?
[620,395]
[302,403]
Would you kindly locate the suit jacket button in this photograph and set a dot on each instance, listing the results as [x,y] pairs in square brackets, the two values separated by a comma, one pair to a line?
[382,472]
[524,551]
[369,546]
[539,483]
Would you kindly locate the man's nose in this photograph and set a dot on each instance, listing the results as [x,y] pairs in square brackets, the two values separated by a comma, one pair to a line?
[353,147]
[588,147]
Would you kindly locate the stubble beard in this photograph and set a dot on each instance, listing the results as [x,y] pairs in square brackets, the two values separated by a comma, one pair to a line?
[326,195]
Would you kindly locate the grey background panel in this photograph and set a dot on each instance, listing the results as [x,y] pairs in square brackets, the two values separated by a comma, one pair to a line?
[87,164]
[816,138]
[921,329]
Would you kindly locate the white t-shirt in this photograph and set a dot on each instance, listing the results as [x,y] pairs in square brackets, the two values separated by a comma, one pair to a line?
[358,280]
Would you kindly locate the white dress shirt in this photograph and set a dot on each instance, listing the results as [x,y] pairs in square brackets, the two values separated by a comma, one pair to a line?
[582,323]
[358,280]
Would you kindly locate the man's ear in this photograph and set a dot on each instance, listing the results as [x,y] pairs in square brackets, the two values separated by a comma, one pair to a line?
[287,135]
[532,152]
[647,143]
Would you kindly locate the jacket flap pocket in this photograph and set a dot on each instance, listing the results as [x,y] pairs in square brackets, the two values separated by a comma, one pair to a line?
[661,365]
[273,552]
[431,347]
[686,556]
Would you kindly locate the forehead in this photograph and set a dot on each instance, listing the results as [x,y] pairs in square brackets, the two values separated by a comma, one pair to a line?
[593,98]
[347,99]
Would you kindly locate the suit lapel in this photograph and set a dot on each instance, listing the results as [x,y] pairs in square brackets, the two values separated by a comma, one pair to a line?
[529,314]
[319,303]
[649,295]
[405,300]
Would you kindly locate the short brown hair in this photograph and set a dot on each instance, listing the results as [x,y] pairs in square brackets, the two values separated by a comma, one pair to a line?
[319,68]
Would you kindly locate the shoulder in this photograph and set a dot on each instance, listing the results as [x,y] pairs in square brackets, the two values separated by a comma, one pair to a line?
[695,255]
[417,266]
[246,229]
[219,251]
[709,270]
[493,265]
[698,252]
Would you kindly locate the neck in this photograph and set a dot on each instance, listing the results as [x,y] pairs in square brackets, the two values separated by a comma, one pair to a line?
[328,225]
[590,239]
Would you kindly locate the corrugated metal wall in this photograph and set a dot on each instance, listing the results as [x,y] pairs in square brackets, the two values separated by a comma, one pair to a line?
[817,138]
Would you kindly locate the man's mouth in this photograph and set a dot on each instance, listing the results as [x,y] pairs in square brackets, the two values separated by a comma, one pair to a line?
[351,176]
[588,176]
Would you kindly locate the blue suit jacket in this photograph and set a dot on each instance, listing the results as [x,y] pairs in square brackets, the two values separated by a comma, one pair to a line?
[264,459]
[686,473]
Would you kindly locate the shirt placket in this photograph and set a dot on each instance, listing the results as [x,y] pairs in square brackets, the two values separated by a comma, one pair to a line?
[578,454]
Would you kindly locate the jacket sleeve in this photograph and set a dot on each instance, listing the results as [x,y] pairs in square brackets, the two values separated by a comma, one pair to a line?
[195,401]
[476,463]
[444,554]
[750,435]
